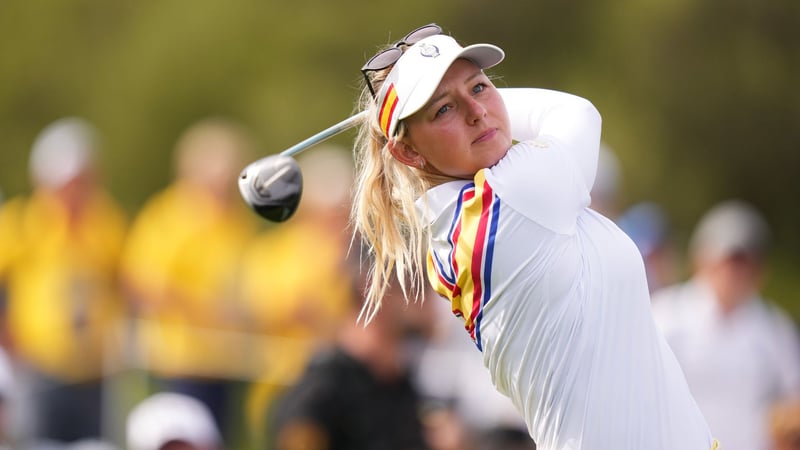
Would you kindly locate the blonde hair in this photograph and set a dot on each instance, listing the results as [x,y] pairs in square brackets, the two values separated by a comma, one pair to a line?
[384,212]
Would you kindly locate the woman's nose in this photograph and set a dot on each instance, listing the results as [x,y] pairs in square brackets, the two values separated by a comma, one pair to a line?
[475,111]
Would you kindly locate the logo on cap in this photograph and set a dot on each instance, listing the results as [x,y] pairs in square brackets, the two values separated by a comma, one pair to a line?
[429,51]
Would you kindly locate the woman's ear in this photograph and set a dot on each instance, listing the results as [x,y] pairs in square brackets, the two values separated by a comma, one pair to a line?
[404,153]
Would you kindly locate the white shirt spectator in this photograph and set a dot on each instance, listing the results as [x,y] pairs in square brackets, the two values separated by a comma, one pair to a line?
[737,364]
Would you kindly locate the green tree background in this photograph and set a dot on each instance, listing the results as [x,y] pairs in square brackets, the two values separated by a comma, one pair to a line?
[699,98]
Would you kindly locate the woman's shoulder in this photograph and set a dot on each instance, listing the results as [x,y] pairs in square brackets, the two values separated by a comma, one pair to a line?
[542,182]
[441,198]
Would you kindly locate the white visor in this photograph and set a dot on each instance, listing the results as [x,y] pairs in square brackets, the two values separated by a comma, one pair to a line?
[416,75]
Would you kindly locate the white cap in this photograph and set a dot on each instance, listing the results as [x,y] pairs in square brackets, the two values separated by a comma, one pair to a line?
[416,75]
[728,228]
[166,417]
[62,151]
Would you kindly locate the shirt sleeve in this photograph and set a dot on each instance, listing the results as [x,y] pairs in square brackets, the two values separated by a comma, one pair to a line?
[548,175]
[538,114]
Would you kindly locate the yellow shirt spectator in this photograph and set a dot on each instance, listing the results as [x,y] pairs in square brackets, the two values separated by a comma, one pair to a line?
[181,263]
[61,271]
[296,286]
[182,258]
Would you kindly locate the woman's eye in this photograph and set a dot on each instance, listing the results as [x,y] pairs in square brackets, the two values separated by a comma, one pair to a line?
[479,88]
[442,110]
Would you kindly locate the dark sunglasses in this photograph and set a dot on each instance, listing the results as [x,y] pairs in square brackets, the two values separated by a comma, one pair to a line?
[386,58]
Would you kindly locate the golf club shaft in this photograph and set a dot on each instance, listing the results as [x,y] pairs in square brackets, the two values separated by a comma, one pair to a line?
[324,134]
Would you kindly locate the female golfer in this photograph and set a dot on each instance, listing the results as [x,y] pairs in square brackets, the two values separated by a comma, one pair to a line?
[491,188]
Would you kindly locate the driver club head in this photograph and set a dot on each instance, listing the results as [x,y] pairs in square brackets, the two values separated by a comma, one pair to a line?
[272,186]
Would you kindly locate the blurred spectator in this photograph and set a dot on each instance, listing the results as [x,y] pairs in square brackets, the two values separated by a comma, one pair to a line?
[505,439]
[88,444]
[357,394]
[739,352]
[83,444]
[59,251]
[647,225]
[444,428]
[486,416]
[171,421]
[180,267]
[784,425]
[8,226]
[294,279]
[283,296]
[7,401]
[605,191]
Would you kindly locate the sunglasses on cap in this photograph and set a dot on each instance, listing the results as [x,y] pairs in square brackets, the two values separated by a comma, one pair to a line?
[386,58]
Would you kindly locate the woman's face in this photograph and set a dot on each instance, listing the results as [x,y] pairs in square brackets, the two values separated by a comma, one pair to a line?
[462,129]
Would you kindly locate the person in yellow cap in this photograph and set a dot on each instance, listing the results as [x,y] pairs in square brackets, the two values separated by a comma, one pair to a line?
[487,191]
[59,255]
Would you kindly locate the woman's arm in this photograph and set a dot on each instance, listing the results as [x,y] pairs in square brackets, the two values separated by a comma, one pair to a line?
[568,119]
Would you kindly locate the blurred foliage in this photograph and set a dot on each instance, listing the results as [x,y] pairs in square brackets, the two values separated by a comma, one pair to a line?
[699,98]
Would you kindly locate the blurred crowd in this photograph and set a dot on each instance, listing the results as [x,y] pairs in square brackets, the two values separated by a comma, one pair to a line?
[193,324]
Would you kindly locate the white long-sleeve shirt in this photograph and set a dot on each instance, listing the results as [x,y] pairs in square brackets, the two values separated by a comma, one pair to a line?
[554,294]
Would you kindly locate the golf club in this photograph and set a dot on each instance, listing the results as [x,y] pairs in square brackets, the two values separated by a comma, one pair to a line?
[272,186]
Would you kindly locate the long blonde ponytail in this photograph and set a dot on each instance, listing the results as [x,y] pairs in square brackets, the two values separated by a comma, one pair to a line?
[384,212]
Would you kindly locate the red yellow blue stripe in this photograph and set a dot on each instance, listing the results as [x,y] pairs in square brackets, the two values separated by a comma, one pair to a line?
[463,275]
[387,109]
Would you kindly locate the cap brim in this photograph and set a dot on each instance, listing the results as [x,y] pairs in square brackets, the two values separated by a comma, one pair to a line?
[484,55]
